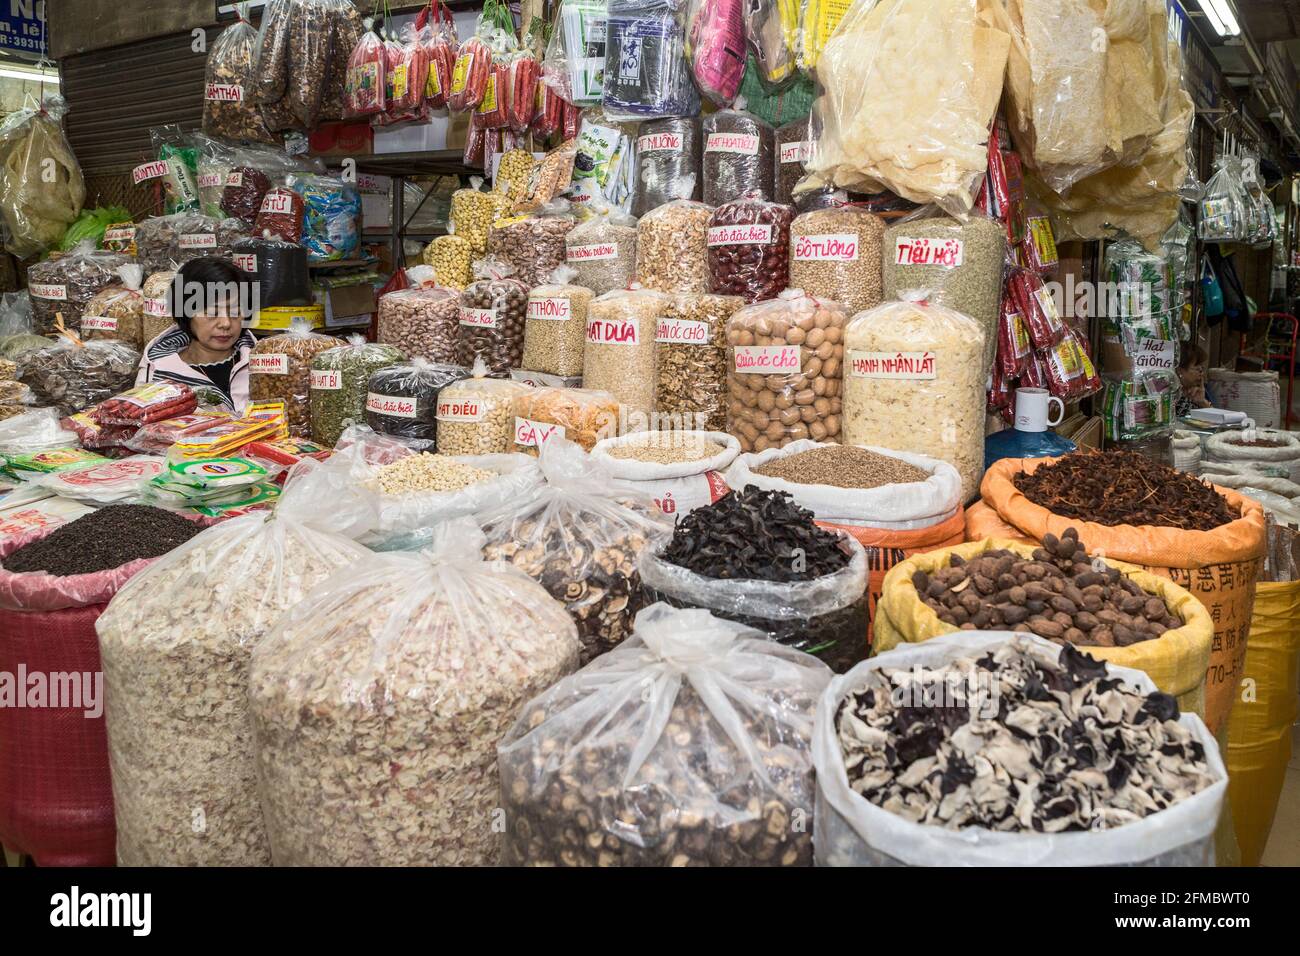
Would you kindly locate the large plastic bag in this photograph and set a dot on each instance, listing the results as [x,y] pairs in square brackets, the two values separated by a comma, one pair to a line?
[667,162]
[340,380]
[332,218]
[64,285]
[686,746]
[379,701]
[853,832]
[229,109]
[886,128]
[183,773]
[1223,209]
[579,535]
[35,431]
[279,370]
[41,186]
[772,32]
[73,376]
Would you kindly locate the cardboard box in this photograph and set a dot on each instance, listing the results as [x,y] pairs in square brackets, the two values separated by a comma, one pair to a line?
[349,305]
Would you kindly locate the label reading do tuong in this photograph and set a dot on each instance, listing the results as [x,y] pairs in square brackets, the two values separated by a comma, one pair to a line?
[828,247]
[767,360]
[898,365]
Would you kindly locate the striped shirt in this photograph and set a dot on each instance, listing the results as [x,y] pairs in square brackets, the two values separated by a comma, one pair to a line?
[162,362]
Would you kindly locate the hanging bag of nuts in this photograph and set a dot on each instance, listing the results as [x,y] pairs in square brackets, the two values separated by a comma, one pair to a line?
[579,535]
[340,379]
[728,783]
[602,250]
[229,108]
[117,312]
[413,668]
[473,211]
[279,370]
[492,314]
[192,620]
[450,257]
[555,331]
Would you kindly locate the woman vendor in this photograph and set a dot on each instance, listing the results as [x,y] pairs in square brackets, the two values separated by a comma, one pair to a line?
[208,348]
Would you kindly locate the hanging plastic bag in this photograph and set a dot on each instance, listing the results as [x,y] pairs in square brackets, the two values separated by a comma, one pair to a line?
[41,186]
[410,76]
[367,78]
[578,535]
[667,162]
[772,31]
[523,80]
[346,31]
[181,156]
[646,73]
[1223,207]
[726,780]
[574,65]
[715,46]
[473,65]
[440,40]
[229,109]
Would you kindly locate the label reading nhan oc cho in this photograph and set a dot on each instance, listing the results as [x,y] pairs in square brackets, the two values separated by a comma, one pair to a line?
[913,365]
[682,332]
[396,406]
[767,360]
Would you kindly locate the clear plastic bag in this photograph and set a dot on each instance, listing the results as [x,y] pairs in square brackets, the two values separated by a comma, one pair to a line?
[410,76]
[214,164]
[715,46]
[72,377]
[646,73]
[35,431]
[473,211]
[882,128]
[592,775]
[420,660]
[691,359]
[672,253]
[473,65]
[168,242]
[749,249]
[271,61]
[739,156]
[582,415]
[493,310]
[555,331]
[1223,208]
[574,65]
[192,620]
[117,311]
[524,76]
[451,258]
[476,416]
[825,617]
[41,186]
[64,286]
[281,215]
[346,31]
[331,217]
[914,381]
[229,107]
[578,535]
[785,365]
[441,42]
[620,353]
[367,77]
[772,29]
[279,370]
[835,254]
[602,252]
[340,380]
[668,162]
[177,150]
[403,400]
[157,316]
[423,323]
[532,246]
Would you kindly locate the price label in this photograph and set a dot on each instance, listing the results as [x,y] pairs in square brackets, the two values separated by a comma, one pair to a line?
[897,365]
[531,434]
[330,380]
[767,359]
[949,253]
[682,332]
[395,405]
[270,363]
[550,308]
[827,247]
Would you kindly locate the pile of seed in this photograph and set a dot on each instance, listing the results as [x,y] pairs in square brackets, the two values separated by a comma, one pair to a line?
[842,466]
[1057,594]
[104,539]
[426,472]
[755,535]
[667,450]
[1123,487]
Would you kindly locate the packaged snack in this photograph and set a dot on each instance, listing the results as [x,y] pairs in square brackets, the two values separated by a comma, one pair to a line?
[646,74]
[715,31]
[147,403]
[331,218]
[574,65]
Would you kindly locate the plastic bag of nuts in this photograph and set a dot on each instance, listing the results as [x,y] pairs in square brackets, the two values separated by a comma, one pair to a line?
[402,400]
[794,143]
[835,254]
[422,658]
[73,377]
[165,242]
[492,313]
[555,332]
[156,309]
[64,285]
[913,381]
[532,246]
[279,370]
[423,323]
[582,415]
[784,371]
[668,162]
[620,353]
[579,536]
[451,258]
[229,109]
[749,249]
[340,379]
[473,212]
[476,416]
[591,775]
[739,156]
[691,359]
[672,247]
[513,172]
[602,250]
[117,311]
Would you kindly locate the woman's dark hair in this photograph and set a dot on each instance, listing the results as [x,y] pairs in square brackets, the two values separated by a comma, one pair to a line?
[199,280]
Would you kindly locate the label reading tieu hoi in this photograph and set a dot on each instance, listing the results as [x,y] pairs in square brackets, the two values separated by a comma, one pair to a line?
[461,410]
[911,365]
[48,290]
[743,143]
[98,323]
[397,406]
[270,363]
[682,332]
[198,240]
[531,434]
[828,247]
[660,143]
[929,252]
[147,171]
[592,251]
[225,92]
[753,234]
[326,379]
[479,318]
[552,308]
[798,152]
[613,332]
[767,359]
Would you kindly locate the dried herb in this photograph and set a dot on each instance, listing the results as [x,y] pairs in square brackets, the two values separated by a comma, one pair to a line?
[103,539]
[1125,488]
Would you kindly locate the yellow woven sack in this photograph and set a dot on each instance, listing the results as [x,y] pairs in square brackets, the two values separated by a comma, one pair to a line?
[1259,734]
[1175,661]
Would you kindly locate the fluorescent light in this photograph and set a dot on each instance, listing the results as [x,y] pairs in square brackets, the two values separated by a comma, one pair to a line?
[1221,17]
[36,77]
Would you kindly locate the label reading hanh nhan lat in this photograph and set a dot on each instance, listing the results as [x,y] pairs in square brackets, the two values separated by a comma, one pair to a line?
[898,365]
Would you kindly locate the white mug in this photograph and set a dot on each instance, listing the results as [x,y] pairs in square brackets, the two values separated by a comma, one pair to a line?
[1033,408]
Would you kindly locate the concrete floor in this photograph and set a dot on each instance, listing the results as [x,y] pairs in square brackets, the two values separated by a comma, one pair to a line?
[1284,839]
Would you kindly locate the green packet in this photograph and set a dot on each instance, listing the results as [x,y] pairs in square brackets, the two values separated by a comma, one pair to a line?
[211,473]
[50,462]
[259,494]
